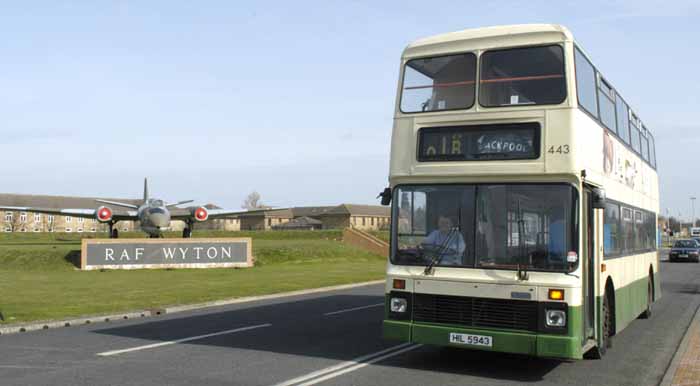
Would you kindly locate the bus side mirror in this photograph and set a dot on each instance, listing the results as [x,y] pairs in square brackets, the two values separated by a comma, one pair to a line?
[386,196]
[598,198]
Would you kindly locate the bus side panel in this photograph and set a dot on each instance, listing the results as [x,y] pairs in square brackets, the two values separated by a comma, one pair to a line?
[630,275]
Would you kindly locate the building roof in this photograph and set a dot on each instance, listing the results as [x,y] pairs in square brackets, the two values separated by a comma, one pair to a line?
[361,210]
[300,222]
[310,211]
[274,213]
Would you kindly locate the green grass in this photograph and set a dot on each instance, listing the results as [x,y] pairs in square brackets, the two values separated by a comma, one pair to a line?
[382,235]
[39,280]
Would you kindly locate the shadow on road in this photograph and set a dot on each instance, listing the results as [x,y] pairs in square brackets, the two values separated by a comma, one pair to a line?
[300,329]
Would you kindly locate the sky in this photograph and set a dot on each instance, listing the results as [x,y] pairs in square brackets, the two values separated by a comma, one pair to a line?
[214,99]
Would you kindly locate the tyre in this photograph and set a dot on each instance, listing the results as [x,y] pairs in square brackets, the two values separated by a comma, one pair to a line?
[646,314]
[606,331]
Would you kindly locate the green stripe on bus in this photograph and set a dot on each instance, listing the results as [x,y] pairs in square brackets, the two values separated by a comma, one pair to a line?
[522,342]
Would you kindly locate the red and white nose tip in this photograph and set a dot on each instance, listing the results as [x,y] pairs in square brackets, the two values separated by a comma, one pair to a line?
[201,214]
[104,214]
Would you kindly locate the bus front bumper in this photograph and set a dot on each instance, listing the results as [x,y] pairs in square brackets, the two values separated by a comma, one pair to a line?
[542,345]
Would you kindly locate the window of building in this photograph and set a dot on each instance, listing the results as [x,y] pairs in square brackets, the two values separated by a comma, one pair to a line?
[80,230]
[50,218]
[8,216]
[93,230]
[585,84]
[81,220]
[37,230]
[68,230]
[23,217]
[37,217]
[8,229]
[606,103]
[623,120]
[23,230]
[69,219]
[363,221]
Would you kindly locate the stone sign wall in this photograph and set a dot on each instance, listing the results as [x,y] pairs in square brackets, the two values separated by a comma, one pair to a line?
[166,253]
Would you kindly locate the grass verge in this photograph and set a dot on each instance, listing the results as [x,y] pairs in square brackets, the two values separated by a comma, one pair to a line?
[38,278]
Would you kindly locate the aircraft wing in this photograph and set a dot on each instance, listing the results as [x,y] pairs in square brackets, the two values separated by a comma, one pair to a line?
[186,214]
[85,213]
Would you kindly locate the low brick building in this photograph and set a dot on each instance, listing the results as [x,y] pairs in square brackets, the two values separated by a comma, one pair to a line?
[365,217]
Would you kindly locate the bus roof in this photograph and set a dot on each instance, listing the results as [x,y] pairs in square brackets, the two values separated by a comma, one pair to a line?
[489,37]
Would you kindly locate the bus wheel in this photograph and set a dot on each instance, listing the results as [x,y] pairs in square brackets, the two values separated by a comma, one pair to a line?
[605,342]
[650,295]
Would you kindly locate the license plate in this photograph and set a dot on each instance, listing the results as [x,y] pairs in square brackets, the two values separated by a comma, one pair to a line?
[471,340]
[683,255]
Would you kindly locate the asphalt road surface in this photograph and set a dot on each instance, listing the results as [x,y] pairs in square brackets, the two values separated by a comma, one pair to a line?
[332,338]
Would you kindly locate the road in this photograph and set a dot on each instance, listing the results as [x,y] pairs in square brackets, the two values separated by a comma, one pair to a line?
[331,338]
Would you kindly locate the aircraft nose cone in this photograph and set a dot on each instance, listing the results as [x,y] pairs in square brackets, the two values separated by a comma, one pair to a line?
[160,220]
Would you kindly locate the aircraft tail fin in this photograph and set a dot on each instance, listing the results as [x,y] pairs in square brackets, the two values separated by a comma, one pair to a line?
[145,189]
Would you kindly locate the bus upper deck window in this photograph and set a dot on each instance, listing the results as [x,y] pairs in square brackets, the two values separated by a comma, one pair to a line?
[439,83]
[522,76]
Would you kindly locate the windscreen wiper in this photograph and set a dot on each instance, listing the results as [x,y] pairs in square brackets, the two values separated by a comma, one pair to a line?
[441,250]
[522,268]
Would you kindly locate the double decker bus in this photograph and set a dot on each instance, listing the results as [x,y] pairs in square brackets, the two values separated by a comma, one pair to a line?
[524,197]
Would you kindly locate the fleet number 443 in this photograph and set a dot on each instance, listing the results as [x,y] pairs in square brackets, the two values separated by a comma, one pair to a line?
[561,149]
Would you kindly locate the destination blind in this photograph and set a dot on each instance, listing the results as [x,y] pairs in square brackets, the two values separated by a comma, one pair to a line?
[479,142]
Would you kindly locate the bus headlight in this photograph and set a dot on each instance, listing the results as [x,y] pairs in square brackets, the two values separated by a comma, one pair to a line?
[555,318]
[398,305]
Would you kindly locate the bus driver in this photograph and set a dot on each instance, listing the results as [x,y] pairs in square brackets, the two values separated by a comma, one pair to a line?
[447,241]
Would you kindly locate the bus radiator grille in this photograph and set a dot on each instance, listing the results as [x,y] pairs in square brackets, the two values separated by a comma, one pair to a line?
[475,312]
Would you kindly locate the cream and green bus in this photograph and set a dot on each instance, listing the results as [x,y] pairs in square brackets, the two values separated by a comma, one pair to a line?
[524,197]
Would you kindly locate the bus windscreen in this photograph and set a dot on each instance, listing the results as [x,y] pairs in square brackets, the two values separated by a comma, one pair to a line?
[488,226]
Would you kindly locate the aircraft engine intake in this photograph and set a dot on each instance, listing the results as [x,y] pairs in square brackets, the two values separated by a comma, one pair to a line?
[104,214]
[200,213]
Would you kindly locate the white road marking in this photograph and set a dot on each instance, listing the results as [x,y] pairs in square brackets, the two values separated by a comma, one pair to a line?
[352,309]
[351,365]
[28,367]
[167,343]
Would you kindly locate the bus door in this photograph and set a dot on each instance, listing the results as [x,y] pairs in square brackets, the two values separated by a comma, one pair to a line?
[589,264]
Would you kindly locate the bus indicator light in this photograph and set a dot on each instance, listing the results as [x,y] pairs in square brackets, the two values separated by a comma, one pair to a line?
[399,284]
[556,294]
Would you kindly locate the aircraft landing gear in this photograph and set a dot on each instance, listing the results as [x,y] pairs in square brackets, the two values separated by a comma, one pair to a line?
[113,233]
[187,232]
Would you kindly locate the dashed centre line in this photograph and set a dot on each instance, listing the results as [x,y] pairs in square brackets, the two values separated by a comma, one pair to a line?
[349,366]
[352,309]
[183,340]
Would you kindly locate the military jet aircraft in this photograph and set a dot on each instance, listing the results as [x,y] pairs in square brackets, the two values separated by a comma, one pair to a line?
[153,214]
